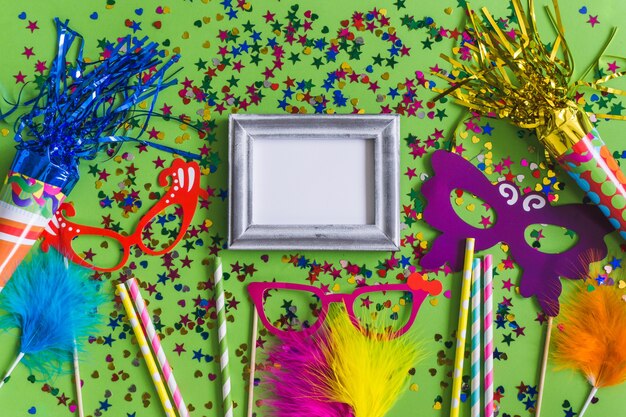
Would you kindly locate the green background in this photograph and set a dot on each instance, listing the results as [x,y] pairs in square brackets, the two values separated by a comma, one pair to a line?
[116,382]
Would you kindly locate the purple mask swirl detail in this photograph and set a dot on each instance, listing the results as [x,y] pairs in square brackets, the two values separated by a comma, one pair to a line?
[514,213]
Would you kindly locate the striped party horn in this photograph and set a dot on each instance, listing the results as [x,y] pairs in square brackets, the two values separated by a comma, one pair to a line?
[145,350]
[153,338]
[26,207]
[221,335]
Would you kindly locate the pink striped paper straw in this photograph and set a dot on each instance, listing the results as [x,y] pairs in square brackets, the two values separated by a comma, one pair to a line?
[153,337]
[488,335]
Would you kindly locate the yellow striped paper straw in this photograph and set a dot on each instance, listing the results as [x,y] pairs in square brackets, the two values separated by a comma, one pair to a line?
[145,350]
[457,377]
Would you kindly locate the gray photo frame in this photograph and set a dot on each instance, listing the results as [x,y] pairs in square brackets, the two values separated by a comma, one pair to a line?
[382,235]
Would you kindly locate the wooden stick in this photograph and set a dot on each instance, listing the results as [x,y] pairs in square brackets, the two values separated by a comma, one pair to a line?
[544,366]
[79,388]
[77,381]
[255,320]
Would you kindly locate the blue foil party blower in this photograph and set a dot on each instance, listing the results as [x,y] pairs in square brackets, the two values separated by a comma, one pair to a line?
[82,109]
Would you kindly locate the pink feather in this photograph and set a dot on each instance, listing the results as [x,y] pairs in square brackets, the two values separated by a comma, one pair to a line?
[296,366]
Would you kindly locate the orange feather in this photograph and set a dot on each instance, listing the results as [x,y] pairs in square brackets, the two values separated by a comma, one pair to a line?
[591,335]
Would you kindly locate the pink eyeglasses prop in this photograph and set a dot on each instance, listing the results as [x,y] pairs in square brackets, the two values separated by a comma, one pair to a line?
[184,191]
[416,285]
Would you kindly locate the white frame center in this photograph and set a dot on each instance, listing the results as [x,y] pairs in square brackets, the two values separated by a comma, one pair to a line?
[312,181]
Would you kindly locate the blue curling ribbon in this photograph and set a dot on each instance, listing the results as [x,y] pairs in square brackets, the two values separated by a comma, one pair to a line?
[82,107]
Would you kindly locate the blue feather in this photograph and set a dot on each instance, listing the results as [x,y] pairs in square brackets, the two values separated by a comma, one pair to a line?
[52,306]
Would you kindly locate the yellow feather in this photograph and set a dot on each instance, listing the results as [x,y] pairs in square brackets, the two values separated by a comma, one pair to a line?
[591,335]
[369,370]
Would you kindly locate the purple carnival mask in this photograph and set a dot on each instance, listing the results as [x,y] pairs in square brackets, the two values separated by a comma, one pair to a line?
[514,213]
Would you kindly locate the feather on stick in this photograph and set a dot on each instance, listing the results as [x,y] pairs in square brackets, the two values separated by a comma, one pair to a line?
[591,337]
[52,306]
